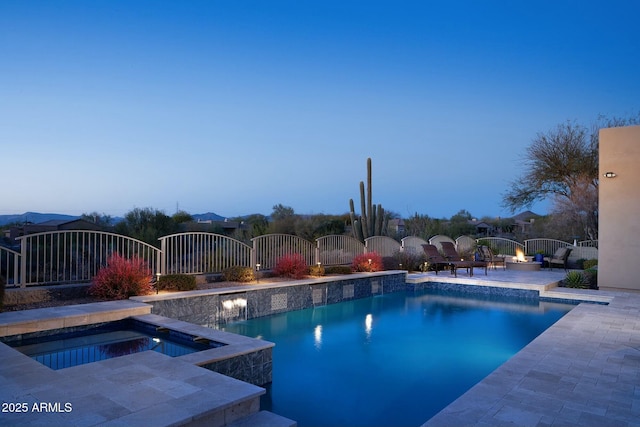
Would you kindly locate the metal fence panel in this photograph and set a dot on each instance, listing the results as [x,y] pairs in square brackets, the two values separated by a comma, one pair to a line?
[413,244]
[502,246]
[10,266]
[75,256]
[338,250]
[382,245]
[271,247]
[202,252]
[545,246]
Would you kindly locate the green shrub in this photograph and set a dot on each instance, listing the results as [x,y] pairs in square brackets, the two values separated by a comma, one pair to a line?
[408,260]
[368,262]
[575,279]
[589,263]
[292,265]
[591,277]
[580,263]
[338,269]
[122,278]
[177,282]
[239,274]
[316,270]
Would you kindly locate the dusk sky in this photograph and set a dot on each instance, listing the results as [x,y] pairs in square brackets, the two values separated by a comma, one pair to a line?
[235,106]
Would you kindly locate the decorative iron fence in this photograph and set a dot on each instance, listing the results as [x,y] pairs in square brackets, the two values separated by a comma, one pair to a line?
[268,248]
[75,256]
[588,244]
[544,246]
[502,246]
[413,244]
[199,252]
[382,245]
[338,250]
[10,265]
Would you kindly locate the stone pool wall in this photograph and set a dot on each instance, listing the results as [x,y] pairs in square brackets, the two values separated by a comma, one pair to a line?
[254,368]
[482,291]
[215,307]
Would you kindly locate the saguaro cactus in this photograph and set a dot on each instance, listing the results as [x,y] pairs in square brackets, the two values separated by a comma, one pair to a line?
[373,219]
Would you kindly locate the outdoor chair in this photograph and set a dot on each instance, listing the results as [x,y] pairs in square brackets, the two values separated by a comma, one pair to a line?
[435,259]
[486,254]
[561,256]
[452,254]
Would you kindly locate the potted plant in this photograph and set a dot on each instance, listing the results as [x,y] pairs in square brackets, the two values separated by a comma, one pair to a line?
[538,256]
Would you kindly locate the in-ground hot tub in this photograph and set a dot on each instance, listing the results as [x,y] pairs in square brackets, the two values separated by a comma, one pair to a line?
[67,347]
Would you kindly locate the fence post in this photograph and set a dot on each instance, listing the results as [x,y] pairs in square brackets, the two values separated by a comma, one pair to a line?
[161,257]
[254,256]
[23,263]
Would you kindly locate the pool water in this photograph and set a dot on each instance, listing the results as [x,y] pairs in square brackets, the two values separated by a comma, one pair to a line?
[391,360]
[93,343]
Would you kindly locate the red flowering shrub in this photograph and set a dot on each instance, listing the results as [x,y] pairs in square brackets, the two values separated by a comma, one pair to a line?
[370,261]
[122,278]
[293,266]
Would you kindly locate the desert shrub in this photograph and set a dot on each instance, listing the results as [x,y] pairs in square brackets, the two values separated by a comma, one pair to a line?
[239,274]
[177,282]
[589,263]
[410,260]
[122,278]
[338,269]
[370,261]
[580,263]
[292,265]
[575,279]
[591,277]
[316,270]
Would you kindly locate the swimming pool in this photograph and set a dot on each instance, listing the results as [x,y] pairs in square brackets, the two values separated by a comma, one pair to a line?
[394,359]
[67,347]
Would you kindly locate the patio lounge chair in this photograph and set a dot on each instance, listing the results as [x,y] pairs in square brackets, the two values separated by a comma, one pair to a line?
[559,257]
[451,254]
[486,254]
[435,259]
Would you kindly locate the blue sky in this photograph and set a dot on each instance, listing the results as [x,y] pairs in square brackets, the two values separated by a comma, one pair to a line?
[235,106]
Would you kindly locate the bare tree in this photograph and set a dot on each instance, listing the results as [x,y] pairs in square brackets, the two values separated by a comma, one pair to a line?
[563,164]
[553,163]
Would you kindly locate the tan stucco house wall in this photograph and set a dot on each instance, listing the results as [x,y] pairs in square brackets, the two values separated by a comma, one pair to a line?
[619,208]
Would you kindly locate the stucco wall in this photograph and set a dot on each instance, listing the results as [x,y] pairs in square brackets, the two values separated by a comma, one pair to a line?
[619,204]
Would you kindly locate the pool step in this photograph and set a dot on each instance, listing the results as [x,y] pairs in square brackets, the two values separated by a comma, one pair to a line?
[263,418]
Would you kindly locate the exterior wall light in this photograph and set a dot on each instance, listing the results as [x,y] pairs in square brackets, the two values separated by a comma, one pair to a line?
[610,175]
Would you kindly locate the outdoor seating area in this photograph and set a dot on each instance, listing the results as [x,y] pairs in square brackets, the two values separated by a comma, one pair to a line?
[560,257]
[451,253]
[486,254]
[436,261]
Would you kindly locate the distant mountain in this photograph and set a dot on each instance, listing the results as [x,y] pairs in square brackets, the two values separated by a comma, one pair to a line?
[209,216]
[34,217]
[37,218]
